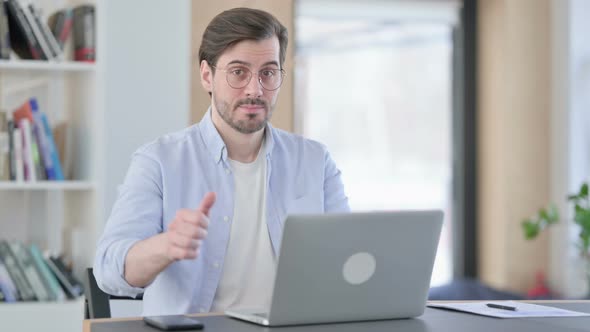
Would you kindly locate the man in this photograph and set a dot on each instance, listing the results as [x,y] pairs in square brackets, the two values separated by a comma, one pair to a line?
[198,222]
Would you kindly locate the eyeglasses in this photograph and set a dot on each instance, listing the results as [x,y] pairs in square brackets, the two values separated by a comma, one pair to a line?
[239,77]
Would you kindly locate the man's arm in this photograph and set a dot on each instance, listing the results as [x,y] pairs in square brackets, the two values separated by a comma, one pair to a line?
[134,247]
[147,258]
[335,199]
[136,216]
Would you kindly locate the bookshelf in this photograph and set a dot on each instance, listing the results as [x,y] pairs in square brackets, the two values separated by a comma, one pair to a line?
[39,316]
[48,185]
[137,90]
[58,216]
[40,66]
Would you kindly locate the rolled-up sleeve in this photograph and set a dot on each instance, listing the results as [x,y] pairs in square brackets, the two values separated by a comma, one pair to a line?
[335,199]
[136,215]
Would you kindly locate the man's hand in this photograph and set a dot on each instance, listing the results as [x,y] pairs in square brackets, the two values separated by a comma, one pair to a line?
[147,258]
[188,230]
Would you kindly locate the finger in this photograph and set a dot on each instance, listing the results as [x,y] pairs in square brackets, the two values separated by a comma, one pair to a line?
[190,230]
[189,215]
[207,203]
[178,253]
[192,254]
[204,222]
[194,217]
[183,241]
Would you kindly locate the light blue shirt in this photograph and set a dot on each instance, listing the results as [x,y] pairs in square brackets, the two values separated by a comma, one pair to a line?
[174,172]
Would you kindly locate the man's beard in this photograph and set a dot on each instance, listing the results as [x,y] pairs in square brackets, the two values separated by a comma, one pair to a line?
[248,126]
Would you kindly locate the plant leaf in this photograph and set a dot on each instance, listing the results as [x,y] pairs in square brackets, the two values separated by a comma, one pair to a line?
[573,198]
[545,217]
[543,214]
[530,228]
[582,218]
[584,191]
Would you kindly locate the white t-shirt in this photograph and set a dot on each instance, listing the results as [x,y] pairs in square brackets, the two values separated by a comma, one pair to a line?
[250,264]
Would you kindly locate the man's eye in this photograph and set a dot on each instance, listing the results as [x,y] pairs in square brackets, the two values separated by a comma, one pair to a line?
[268,73]
[237,72]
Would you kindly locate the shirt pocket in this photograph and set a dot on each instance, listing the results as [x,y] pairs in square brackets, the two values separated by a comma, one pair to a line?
[306,204]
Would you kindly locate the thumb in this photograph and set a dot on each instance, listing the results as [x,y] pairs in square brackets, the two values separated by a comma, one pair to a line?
[207,203]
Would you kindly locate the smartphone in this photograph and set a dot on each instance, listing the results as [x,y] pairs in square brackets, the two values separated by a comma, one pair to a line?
[173,322]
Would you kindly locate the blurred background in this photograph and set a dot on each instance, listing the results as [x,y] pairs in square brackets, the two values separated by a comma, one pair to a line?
[480,108]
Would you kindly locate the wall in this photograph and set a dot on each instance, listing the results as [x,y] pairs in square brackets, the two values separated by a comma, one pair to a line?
[202,15]
[513,164]
[146,79]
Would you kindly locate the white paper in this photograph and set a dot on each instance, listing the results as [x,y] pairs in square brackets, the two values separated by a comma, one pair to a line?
[522,309]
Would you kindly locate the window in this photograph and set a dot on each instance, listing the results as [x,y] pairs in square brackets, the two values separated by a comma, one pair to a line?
[374,83]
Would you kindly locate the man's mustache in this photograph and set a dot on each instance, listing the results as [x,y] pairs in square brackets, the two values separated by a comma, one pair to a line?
[250,101]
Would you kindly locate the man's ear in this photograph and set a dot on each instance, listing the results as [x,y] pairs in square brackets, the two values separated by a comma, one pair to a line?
[206,76]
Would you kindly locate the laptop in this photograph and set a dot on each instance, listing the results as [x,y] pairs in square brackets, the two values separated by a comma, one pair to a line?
[351,267]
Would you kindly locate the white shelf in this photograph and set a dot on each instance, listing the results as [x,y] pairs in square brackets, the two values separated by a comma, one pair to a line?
[44,65]
[43,316]
[47,185]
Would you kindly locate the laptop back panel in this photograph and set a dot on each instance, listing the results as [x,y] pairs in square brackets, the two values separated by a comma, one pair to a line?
[350,267]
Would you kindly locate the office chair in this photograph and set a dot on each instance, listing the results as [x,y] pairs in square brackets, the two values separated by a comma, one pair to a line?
[98,303]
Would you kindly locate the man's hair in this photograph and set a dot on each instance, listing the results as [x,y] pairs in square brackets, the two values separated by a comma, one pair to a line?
[238,24]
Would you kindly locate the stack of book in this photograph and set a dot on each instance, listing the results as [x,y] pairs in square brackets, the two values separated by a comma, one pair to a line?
[24,31]
[28,275]
[28,35]
[27,147]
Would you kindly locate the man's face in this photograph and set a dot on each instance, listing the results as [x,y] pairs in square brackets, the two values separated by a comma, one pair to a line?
[246,109]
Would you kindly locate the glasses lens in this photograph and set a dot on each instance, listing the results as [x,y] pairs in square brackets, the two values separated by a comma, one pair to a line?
[238,78]
[270,79]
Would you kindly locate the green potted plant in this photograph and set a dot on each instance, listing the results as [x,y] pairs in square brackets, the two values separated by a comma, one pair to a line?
[548,216]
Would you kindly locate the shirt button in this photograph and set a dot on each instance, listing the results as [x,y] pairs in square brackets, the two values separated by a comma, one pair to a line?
[216,265]
[226,218]
[227,170]
[201,309]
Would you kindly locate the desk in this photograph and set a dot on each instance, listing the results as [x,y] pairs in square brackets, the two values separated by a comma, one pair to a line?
[433,320]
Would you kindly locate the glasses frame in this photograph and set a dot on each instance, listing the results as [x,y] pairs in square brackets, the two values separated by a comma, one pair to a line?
[282,73]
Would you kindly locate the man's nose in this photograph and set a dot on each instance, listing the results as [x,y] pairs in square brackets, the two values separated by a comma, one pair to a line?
[254,87]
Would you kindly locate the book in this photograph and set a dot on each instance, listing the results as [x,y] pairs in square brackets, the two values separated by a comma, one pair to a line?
[42,137]
[11,152]
[17,155]
[25,292]
[37,161]
[60,24]
[22,39]
[51,281]
[62,137]
[36,29]
[70,284]
[56,50]
[25,112]
[27,148]
[4,34]
[26,264]
[4,148]
[51,148]
[7,285]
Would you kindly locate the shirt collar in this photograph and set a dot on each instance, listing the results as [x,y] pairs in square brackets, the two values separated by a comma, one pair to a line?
[215,144]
